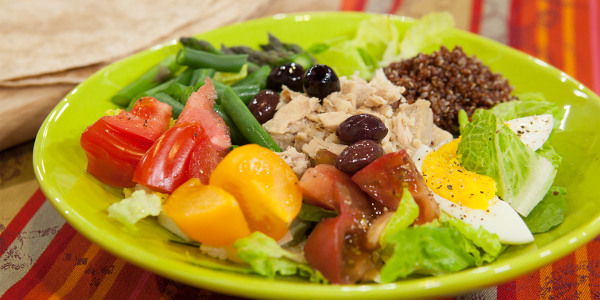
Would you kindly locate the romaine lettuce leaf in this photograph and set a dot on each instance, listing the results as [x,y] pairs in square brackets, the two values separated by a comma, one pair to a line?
[139,205]
[378,42]
[422,35]
[268,259]
[403,217]
[426,250]
[489,147]
[549,213]
[529,104]
[439,247]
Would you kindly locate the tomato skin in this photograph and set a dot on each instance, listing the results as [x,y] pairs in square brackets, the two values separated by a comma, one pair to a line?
[335,242]
[190,149]
[199,110]
[166,164]
[337,246]
[115,144]
[385,178]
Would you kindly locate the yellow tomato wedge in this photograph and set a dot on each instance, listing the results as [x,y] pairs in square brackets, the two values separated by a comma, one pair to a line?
[264,185]
[207,214]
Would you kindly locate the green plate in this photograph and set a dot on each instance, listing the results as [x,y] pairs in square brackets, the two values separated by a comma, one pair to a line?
[60,168]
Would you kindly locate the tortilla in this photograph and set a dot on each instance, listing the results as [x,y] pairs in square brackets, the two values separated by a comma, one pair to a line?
[42,37]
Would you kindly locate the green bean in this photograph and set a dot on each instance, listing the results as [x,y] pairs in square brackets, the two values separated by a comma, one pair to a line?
[185,77]
[246,92]
[153,91]
[153,77]
[245,121]
[176,106]
[258,77]
[202,59]
[236,136]
[199,75]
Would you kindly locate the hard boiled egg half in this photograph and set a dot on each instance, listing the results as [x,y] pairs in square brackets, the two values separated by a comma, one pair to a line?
[471,197]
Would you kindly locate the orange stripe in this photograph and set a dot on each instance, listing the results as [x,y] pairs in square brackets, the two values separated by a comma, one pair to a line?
[58,272]
[583,274]
[527,287]
[545,282]
[541,32]
[108,280]
[75,274]
[568,33]
[583,43]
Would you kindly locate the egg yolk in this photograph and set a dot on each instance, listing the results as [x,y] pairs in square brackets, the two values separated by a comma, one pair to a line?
[446,177]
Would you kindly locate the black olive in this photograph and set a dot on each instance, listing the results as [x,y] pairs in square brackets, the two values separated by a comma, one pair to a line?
[320,81]
[361,127]
[289,74]
[358,155]
[263,105]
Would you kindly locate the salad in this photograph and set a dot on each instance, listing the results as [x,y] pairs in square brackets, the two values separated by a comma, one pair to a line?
[214,143]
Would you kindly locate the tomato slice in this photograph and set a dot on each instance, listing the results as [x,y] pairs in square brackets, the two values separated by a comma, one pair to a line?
[190,149]
[166,165]
[337,246]
[199,110]
[115,144]
[385,178]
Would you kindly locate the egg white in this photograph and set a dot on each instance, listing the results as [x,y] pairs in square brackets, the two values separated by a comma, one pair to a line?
[499,218]
[533,131]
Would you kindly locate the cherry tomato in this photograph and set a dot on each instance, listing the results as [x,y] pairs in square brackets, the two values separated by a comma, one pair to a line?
[115,144]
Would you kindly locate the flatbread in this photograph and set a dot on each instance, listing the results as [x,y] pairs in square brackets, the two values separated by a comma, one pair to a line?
[41,37]
[72,76]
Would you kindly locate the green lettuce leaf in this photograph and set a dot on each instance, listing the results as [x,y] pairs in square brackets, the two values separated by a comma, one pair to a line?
[485,246]
[423,35]
[529,104]
[138,205]
[378,42]
[426,249]
[268,259]
[312,213]
[550,212]
[490,148]
[439,247]
[403,217]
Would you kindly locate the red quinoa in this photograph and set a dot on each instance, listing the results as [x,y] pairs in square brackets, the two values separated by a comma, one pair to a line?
[451,81]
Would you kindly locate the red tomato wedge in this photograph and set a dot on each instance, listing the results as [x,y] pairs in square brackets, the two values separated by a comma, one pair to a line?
[337,246]
[115,144]
[199,110]
[190,149]
[385,178]
[166,165]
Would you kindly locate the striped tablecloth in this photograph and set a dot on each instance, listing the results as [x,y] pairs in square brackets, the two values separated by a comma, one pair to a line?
[41,256]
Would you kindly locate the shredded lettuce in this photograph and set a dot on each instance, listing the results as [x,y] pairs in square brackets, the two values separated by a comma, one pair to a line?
[139,205]
[268,259]
[550,212]
[490,148]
